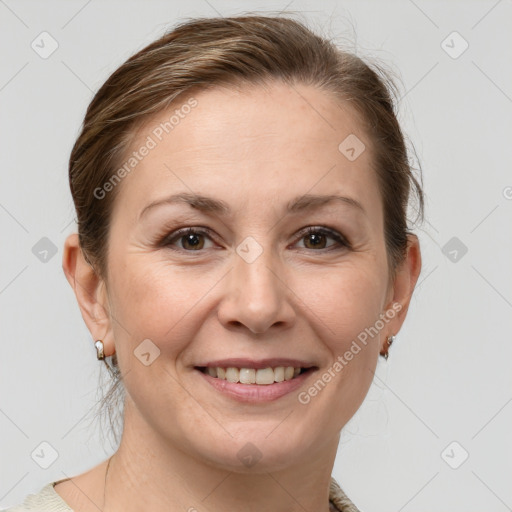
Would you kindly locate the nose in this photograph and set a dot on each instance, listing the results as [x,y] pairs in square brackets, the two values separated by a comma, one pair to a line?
[257,295]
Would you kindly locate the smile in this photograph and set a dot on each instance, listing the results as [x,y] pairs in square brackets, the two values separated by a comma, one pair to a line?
[255,385]
[261,376]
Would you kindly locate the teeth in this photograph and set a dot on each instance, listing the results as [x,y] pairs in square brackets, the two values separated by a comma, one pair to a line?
[252,376]
[247,375]
[265,376]
[279,374]
[232,374]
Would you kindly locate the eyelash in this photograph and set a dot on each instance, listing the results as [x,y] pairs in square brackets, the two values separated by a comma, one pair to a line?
[168,240]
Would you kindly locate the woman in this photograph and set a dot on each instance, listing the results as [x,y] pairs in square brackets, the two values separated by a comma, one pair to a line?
[242,258]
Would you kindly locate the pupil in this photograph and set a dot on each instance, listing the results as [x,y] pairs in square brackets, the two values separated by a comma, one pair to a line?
[315,239]
[192,240]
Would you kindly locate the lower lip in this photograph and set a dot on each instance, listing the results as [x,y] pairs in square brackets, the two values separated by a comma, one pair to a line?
[256,392]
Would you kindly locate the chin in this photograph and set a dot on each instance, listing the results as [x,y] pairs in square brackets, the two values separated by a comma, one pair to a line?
[258,448]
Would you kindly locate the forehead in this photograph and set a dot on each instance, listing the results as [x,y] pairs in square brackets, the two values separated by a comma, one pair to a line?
[250,144]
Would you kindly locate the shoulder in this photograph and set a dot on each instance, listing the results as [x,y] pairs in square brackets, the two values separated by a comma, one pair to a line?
[45,500]
[339,499]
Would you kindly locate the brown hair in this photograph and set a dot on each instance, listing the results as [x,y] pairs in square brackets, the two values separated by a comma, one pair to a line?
[208,52]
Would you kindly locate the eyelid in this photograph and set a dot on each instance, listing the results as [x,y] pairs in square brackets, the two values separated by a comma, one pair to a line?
[332,233]
[178,233]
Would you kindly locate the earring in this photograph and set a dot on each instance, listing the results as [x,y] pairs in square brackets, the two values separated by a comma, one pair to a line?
[99,349]
[389,341]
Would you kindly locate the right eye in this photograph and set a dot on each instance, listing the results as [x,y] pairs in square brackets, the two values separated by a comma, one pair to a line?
[191,239]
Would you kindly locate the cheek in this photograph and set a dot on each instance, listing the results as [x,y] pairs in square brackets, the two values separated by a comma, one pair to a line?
[158,301]
[163,301]
[346,301]
[153,302]
[344,311]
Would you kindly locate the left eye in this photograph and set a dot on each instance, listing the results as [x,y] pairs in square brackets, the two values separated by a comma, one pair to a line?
[317,237]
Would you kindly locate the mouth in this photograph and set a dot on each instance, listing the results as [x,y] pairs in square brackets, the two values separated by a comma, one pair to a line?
[255,381]
[255,376]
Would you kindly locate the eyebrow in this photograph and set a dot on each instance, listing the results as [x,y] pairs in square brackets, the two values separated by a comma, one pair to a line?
[302,203]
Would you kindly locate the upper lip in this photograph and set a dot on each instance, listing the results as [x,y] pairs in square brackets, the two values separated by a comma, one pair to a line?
[256,364]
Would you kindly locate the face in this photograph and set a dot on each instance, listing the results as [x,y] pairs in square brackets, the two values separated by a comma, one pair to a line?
[247,286]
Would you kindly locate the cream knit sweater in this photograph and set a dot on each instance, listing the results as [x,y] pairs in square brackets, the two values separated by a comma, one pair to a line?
[47,500]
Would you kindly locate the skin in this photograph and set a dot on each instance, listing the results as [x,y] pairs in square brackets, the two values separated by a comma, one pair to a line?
[255,148]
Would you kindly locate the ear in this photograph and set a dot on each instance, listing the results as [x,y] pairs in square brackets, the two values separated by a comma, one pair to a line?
[402,286]
[90,292]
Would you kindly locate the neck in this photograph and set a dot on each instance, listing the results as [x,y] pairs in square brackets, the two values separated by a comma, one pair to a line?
[149,473]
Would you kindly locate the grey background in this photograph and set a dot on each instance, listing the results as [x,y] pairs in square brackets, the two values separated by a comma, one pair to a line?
[448,378]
